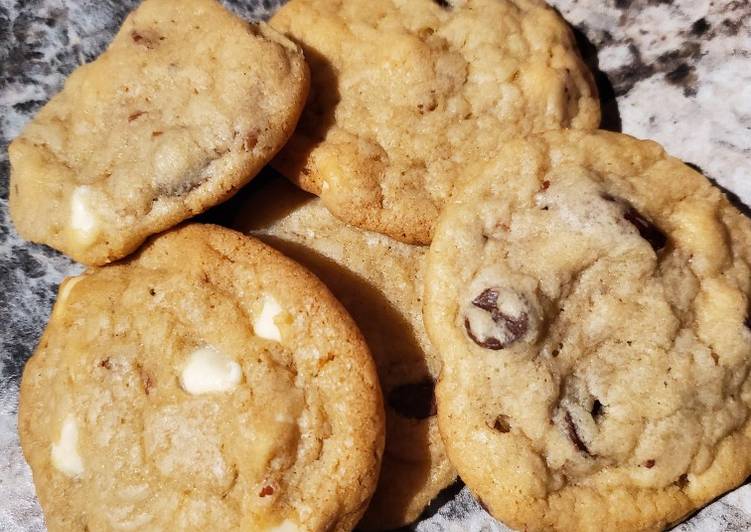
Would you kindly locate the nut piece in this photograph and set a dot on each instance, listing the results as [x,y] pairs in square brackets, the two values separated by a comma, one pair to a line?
[414,400]
[64,453]
[496,318]
[209,371]
[264,326]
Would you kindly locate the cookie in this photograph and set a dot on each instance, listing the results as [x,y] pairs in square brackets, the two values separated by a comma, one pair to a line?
[404,94]
[186,105]
[206,383]
[379,281]
[589,297]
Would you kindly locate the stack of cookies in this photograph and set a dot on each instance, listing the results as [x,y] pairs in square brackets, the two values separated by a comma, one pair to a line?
[499,291]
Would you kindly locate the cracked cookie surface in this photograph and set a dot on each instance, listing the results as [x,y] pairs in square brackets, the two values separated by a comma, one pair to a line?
[379,281]
[406,92]
[207,383]
[185,106]
[589,298]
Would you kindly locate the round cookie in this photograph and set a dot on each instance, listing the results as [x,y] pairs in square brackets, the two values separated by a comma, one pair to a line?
[186,105]
[207,383]
[589,297]
[379,281]
[406,92]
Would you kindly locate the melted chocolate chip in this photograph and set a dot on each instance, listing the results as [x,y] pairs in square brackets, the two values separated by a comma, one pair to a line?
[501,424]
[415,400]
[574,435]
[649,464]
[516,327]
[647,230]
[487,300]
[266,490]
[682,481]
[597,409]
[489,343]
[443,3]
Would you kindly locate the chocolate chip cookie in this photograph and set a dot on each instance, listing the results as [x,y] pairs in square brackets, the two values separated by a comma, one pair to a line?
[379,281]
[206,383]
[589,297]
[184,107]
[404,94]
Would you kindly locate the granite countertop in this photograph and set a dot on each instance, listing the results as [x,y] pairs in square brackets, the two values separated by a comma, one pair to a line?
[676,71]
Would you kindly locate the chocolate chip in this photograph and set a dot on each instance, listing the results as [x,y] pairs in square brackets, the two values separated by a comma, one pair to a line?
[597,409]
[513,327]
[682,481]
[266,490]
[443,3]
[501,424]
[250,141]
[105,363]
[415,400]
[647,230]
[574,435]
[649,464]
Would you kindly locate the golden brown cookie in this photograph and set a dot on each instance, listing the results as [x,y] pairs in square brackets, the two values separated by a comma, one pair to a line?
[206,383]
[406,93]
[589,297]
[379,281]
[186,105]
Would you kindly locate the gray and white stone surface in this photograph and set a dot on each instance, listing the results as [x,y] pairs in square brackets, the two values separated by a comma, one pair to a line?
[675,71]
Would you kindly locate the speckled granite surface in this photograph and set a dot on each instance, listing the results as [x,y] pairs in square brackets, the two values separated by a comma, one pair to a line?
[677,71]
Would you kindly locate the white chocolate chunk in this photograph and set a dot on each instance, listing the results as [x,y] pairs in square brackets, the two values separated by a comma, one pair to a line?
[264,326]
[285,526]
[65,455]
[83,222]
[209,371]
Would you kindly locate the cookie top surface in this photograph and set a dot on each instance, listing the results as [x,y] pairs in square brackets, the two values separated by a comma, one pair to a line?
[206,383]
[184,107]
[405,92]
[589,296]
[379,281]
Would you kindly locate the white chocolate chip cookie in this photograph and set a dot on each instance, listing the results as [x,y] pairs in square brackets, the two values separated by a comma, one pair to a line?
[589,297]
[186,105]
[406,92]
[165,395]
[379,281]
